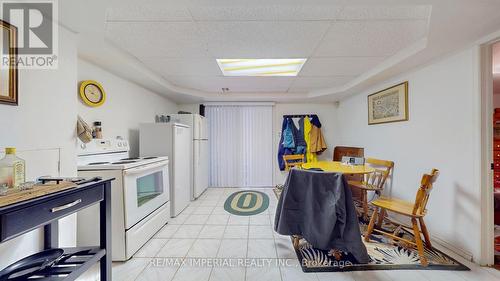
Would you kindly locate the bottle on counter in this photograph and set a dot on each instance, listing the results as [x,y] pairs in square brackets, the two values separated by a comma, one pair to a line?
[97,132]
[12,169]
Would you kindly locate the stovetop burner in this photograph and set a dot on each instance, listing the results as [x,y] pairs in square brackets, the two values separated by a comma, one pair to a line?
[98,163]
[124,162]
[150,157]
[130,158]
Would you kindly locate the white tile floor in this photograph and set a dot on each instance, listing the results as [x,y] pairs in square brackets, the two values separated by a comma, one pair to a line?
[206,232]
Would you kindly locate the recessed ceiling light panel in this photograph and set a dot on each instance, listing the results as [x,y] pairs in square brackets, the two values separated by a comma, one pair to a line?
[260,67]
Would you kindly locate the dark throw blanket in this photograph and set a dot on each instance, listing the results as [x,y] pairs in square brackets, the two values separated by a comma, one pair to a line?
[318,206]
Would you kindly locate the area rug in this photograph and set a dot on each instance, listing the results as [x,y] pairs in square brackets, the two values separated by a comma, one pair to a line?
[385,254]
[246,203]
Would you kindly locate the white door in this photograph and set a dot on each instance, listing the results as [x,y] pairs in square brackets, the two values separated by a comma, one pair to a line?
[200,167]
[182,165]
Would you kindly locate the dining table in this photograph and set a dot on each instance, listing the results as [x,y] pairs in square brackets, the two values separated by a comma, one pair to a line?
[339,167]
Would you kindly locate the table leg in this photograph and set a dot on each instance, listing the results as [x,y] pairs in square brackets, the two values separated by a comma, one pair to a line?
[51,235]
[105,233]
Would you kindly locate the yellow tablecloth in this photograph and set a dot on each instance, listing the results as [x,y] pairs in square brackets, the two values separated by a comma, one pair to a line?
[339,167]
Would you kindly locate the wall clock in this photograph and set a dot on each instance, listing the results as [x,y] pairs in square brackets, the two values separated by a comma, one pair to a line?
[92,93]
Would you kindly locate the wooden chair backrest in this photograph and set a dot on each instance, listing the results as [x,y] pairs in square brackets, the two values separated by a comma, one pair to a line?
[382,170]
[340,151]
[293,160]
[424,192]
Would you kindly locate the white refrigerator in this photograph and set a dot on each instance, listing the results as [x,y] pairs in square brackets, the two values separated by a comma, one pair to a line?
[172,140]
[200,150]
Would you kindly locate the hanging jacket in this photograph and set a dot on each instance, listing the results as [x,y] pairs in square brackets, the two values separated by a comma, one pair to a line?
[317,141]
[315,121]
[289,134]
[318,144]
[300,142]
[310,157]
[281,148]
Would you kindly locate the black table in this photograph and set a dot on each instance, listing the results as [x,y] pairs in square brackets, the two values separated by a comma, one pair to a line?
[44,211]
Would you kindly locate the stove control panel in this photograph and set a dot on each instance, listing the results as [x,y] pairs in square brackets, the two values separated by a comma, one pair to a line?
[98,146]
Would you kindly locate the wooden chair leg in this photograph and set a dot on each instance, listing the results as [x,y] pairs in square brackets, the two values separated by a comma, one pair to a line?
[369,230]
[425,232]
[295,241]
[381,218]
[365,204]
[418,241]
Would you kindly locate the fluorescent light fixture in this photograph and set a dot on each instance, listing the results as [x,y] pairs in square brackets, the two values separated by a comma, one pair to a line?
[260,67]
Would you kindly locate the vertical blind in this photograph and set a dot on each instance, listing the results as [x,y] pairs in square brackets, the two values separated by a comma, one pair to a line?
[240,145]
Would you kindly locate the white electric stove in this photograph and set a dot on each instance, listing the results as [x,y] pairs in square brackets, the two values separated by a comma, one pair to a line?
[140,204]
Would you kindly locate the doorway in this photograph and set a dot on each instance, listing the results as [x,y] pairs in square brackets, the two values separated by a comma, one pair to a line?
[241,145]
[490,153]
[495,59]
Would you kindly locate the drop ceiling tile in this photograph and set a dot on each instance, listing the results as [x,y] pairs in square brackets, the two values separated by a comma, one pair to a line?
[166,39]
[235,84]
[371,38]
[182,66]
[264,13]
[385,12]
[307,84]
[262,39]
[152,12]
[339,66]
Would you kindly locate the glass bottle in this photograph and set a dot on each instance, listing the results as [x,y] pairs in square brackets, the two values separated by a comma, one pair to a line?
[97,130]
[12,169]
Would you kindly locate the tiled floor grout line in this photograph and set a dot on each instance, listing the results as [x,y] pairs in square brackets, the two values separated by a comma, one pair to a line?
[220,246]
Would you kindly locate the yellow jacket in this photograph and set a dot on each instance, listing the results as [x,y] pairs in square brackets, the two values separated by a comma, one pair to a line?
[318,143]
[310,157]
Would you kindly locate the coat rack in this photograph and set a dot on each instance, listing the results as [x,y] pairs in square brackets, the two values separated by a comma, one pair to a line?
[299,115]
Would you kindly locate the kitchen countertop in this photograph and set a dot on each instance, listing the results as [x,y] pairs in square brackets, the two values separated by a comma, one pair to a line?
[15,195]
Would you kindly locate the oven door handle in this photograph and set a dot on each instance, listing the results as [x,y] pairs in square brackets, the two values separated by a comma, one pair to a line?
[145,168]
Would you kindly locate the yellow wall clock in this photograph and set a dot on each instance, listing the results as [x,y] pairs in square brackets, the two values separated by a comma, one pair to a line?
[92,93]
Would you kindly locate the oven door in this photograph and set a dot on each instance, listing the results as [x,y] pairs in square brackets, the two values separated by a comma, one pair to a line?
[146,188]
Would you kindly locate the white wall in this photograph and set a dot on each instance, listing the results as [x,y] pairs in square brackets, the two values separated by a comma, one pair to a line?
[443,132]
[43,123]
[326,113]
[191,107]
[127,105]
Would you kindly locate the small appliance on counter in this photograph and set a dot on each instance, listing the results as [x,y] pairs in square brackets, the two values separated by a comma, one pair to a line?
[140,200]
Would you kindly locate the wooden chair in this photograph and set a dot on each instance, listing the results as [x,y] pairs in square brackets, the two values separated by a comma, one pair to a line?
[340,151]
[293,160]
[415,211]
[372,182]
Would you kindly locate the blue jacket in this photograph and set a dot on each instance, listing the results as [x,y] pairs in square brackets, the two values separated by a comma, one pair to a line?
[289,134]
[281,148]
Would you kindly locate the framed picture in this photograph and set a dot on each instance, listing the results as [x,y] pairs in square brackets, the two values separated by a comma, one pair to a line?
[8,67]
[389,105]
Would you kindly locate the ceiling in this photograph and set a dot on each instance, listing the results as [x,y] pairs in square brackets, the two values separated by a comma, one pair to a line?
[171,47]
